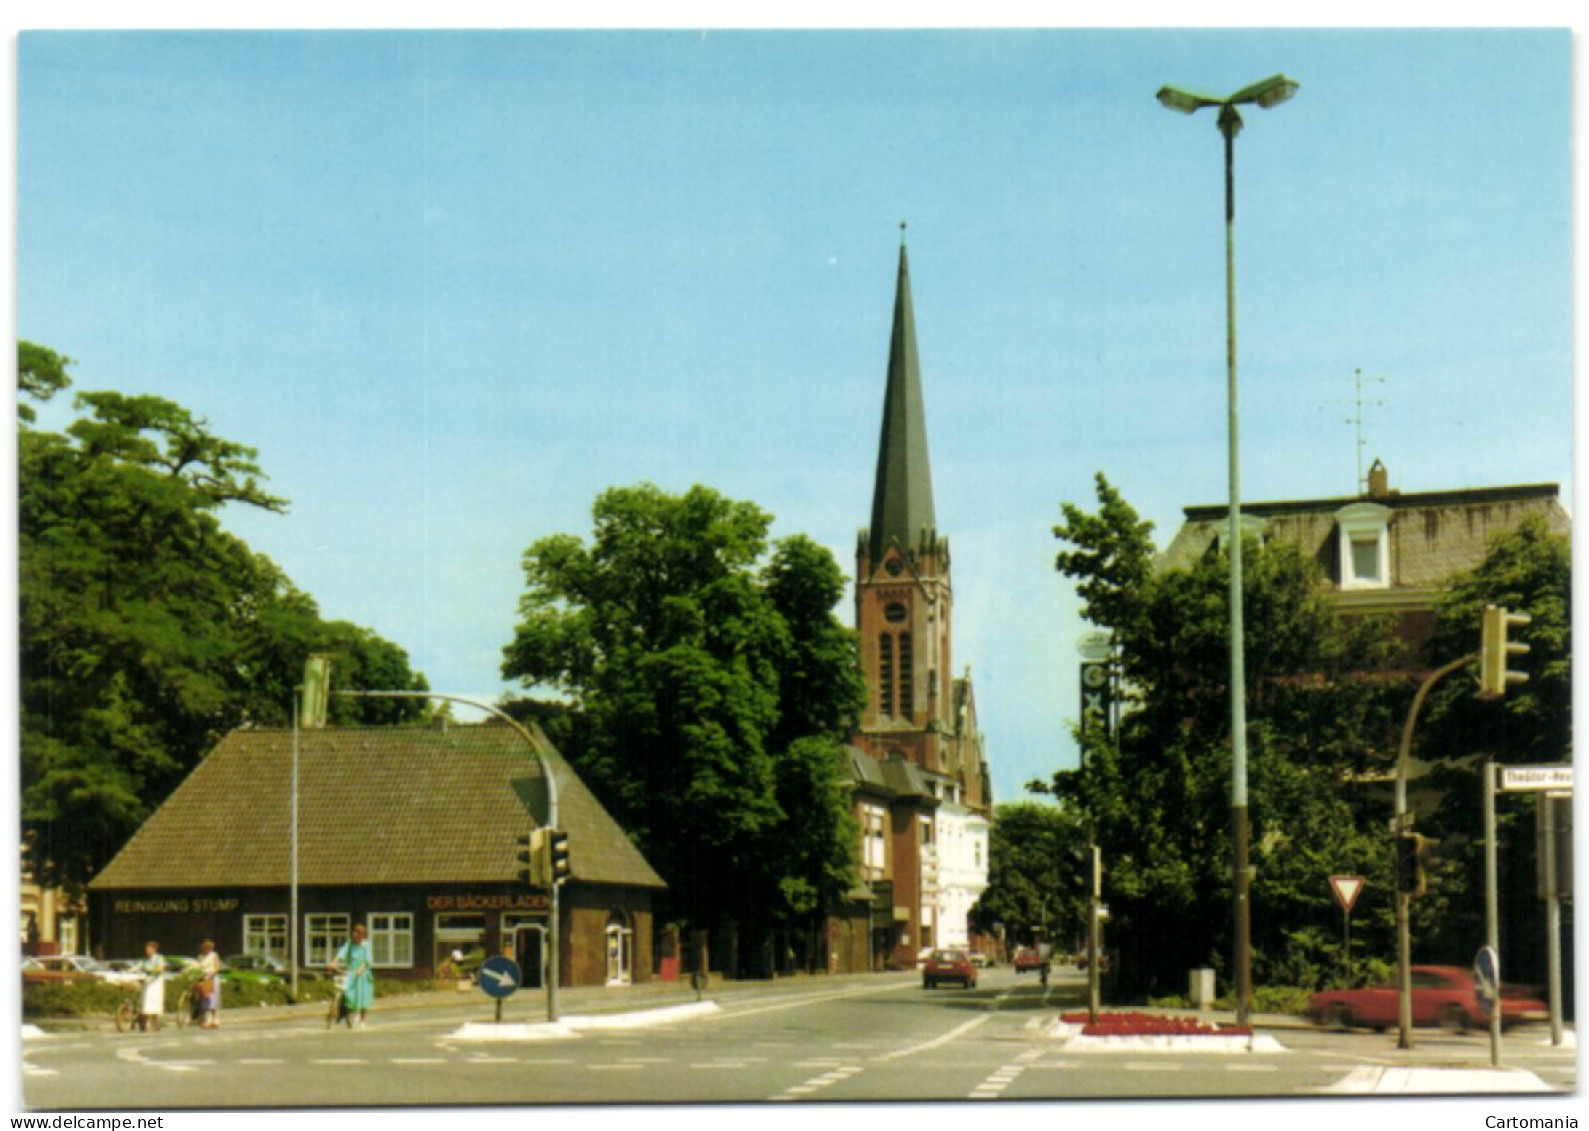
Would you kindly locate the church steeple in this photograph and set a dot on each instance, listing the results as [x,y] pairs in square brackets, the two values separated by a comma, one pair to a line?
[902,498]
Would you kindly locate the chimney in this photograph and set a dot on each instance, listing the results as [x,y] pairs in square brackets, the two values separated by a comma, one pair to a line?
[1378,480]
[316,691]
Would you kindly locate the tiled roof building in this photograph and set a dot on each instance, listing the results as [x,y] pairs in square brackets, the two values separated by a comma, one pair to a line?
[1383,551]
[414,830]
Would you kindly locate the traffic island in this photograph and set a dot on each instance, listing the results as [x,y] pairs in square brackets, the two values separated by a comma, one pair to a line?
[1150,1032]
[573,1026]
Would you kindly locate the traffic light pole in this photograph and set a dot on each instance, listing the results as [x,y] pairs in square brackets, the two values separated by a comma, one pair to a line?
[1404,827]
[539,748]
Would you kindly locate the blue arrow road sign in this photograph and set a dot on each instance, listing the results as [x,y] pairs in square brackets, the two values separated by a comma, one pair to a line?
[1487,978]
[498,976]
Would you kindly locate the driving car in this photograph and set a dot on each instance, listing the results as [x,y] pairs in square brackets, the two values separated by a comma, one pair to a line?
[948,966]
[1027,958]
[1441,995]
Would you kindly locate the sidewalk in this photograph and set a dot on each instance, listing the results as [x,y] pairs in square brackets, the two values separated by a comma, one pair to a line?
[527,1005]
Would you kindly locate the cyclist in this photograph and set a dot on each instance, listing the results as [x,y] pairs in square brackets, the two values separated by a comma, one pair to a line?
[353,962]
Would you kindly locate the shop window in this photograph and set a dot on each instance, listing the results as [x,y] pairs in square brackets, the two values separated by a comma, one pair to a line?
[391,940]
[463,933]
[323,936]
[265,934]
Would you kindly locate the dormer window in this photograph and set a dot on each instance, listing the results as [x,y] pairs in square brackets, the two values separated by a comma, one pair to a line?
[1364,530]
[1252,526]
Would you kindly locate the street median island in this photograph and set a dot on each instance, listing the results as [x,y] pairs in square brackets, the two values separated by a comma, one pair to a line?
[572,1026]
[1147,1032]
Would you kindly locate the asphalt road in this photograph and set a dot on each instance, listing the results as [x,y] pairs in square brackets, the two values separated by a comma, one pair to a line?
[876,1037]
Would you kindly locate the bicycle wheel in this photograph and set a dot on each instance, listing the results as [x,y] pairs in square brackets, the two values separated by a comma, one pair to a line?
[184,1009]
[126,1015]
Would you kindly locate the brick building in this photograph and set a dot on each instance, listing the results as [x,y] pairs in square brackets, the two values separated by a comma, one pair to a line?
[412,831]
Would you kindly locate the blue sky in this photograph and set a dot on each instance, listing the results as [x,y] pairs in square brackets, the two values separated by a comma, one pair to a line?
[453,285]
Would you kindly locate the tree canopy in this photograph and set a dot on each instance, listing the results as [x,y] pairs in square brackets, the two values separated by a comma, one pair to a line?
[146,629]
[713,689]
[1327,695]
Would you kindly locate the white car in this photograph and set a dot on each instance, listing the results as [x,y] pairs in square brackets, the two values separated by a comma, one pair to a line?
[85,964]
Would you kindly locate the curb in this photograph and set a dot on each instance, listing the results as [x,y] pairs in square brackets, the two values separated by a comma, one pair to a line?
[1437,1081]
[571,1026]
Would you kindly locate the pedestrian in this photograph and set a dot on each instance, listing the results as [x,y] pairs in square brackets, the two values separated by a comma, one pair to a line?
[353,960]
[209,987]
[153,998]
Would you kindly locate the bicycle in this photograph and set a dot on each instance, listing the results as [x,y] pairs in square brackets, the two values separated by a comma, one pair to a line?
[129,1011]
[337,1005]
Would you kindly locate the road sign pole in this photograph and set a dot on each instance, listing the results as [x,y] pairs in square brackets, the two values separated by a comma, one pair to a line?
[1492,918]
[1552,914]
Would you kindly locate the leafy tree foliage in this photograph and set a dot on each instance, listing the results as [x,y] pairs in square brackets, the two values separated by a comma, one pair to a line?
[1528,570]
[711,692]
[1157,788]
[1038,871]
[147,631]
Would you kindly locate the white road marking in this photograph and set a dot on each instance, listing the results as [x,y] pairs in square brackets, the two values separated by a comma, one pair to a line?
[816,1083]
[957,1031]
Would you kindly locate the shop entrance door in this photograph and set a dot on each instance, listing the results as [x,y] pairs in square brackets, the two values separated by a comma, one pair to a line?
[620,951]
[525,940]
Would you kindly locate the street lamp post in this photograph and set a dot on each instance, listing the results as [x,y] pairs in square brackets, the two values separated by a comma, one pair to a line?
[542,756]
[1266,93]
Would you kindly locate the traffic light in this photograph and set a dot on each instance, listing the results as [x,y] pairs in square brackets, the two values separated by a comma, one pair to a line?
[1494,650]
[560,867]
[1414,857]
[526,858]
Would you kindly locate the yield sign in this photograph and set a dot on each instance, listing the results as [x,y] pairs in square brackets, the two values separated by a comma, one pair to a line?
[1347,889]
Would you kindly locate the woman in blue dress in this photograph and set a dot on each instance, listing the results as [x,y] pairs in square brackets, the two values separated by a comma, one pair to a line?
[353,960]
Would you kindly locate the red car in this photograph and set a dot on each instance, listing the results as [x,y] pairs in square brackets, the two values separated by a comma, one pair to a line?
[1027,958]
[1441,995]
[948,966]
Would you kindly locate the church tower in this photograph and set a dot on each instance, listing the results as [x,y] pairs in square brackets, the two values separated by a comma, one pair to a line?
[903,596]
[921,785]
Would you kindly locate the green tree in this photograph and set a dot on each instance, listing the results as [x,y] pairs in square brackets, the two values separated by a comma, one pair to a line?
[1527,569]
[146,629]
[1157,788]
[710,695]
[1038,870]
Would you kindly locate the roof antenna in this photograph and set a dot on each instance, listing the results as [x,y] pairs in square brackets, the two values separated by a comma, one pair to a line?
[1357,419]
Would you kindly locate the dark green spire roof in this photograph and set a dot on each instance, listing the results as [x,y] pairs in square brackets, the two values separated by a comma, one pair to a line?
[902,499]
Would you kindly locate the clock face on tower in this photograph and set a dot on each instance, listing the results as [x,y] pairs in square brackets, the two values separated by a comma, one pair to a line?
[893,567]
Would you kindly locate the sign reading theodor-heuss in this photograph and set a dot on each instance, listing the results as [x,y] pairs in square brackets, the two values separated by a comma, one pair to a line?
[1542,778]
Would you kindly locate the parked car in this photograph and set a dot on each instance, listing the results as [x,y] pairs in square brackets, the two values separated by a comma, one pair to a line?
[253,968]
[1027,958]
[948,966]
[70,967]
[34,972]
[981,961]
[1441,995]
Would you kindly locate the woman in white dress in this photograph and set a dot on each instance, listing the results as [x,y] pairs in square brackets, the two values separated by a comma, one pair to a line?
[154,987]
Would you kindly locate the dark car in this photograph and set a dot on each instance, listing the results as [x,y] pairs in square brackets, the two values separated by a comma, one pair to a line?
[1441,995]
[1028,958]
[948,966]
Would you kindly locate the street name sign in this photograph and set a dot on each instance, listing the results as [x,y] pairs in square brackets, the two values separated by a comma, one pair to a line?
[1546,779]
[498,976]
[1347,889]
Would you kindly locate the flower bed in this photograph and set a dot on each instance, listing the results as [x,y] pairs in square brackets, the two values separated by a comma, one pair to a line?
[1151,1025]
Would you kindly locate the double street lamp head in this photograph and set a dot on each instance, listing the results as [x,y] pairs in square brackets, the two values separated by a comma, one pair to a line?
[1265,93]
